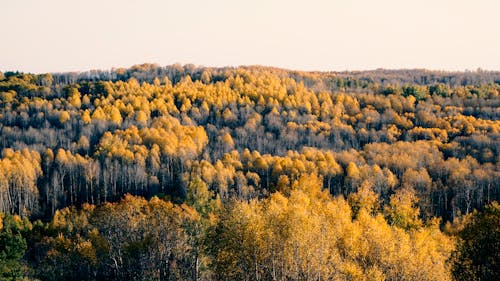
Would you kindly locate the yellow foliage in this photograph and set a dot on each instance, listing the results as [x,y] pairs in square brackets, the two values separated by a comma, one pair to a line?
[64,117]
[309,233]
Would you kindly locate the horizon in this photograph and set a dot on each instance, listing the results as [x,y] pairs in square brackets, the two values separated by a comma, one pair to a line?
[55,36]
[477,70]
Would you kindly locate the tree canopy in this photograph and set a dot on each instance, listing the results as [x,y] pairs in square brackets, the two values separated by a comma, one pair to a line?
[198,173]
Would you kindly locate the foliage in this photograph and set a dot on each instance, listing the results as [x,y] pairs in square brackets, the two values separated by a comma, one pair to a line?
[311,236]
[305,235]
[478,252]
[133,239]
[245,161]
[13,247]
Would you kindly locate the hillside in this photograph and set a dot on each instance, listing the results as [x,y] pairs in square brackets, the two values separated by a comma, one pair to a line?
[223,155]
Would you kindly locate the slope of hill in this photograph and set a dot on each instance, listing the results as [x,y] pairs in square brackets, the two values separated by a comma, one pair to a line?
[389,149]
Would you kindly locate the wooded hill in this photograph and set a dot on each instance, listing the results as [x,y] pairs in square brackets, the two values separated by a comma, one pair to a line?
[329,157]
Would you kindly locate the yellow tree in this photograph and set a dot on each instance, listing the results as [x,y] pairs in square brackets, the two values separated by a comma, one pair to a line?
[402,210]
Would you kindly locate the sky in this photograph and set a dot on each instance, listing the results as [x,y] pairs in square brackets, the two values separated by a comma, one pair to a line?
[328,35]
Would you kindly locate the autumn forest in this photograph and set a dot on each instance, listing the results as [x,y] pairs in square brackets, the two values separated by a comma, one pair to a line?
[249,173]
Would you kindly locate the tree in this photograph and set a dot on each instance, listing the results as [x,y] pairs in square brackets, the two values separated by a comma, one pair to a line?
[364,199]
[64,117]
[86,116]
[402,211]
[12,247]
[478,253]
[352,178]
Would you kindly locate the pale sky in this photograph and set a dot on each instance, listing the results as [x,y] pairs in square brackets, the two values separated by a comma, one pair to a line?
[70,35]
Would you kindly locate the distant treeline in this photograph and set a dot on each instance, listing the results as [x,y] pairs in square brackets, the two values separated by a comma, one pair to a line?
[334,80]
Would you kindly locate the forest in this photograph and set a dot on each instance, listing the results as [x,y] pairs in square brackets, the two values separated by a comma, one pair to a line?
[249,173]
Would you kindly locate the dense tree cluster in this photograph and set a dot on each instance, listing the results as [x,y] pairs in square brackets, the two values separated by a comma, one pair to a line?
[305,234]
[146,130]
[396,148]
[478,253]
[308,235]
